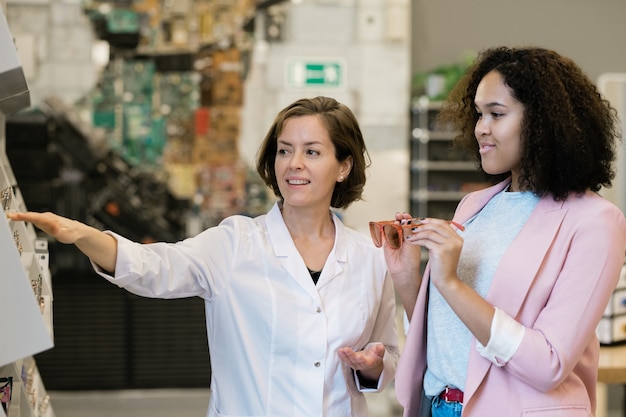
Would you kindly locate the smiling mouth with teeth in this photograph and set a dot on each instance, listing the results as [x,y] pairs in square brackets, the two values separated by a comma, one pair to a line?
[297,182]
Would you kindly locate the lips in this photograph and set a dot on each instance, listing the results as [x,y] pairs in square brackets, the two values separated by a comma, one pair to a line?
[485,147]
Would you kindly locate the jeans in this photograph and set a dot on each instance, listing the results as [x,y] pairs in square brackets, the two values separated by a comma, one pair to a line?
[442,408]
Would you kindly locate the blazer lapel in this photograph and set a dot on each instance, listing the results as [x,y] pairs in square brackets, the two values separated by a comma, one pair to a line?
[520,263]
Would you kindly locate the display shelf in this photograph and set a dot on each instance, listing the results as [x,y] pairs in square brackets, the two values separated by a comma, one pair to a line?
[440,174]
[25,303]
[23,326]
[29,397]
[25,300]
[25,285]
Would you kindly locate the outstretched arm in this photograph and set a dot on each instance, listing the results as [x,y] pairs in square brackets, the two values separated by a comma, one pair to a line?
[100,247]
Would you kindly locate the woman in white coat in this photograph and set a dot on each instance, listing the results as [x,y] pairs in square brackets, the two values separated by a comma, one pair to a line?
[299,308]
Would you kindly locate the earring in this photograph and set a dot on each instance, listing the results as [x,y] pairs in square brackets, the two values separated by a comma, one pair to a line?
[340,178]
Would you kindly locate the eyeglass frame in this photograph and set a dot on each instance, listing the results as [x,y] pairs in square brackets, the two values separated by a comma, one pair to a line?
[379,235]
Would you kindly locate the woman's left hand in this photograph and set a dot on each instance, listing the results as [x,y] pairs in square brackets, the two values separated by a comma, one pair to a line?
[369,361]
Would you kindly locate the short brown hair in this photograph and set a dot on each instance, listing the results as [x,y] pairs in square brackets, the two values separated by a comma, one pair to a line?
[345,134]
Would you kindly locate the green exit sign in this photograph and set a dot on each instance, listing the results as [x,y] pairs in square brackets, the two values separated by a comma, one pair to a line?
[312,73]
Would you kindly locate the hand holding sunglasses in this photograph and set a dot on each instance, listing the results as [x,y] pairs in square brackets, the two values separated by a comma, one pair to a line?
[393,232]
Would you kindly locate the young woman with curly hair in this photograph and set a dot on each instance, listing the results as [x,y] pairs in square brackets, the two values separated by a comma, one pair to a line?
[503,320]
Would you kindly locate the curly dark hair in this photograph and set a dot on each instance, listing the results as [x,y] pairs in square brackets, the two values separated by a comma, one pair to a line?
[569,131]
[345,133]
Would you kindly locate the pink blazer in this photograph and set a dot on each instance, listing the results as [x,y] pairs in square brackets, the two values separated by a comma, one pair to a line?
[556,279]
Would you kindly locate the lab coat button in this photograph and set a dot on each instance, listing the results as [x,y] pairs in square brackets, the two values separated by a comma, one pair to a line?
[317,364]
[318,310]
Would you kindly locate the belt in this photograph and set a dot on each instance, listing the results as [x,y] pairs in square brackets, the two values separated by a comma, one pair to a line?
[452,395]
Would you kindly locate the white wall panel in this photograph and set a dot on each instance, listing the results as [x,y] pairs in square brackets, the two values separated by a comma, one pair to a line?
[613,86]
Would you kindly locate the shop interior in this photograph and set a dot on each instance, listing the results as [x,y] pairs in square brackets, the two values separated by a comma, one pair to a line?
[144,116]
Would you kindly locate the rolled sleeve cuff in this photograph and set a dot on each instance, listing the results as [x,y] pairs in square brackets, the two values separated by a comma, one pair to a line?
[362,388]
[506,336]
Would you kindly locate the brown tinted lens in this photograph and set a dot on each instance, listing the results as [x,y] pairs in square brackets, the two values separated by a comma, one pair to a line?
[391,234]
[376,233]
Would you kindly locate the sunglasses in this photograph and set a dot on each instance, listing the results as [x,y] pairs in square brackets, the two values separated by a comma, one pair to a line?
[394,233]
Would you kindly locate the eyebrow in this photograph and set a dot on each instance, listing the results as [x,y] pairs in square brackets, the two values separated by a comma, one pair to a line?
[492,104]
[313,142]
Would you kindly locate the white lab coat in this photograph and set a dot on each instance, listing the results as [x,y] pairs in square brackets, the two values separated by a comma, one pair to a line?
[272,333]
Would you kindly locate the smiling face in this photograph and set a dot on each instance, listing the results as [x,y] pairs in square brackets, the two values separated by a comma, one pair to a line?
[306,166]
[498,129]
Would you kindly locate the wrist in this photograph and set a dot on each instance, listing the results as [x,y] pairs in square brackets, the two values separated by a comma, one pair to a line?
[406,280]
[449,284]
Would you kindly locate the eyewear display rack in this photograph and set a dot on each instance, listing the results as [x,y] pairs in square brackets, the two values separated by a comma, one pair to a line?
[440,175]
[25,285]
[25,305]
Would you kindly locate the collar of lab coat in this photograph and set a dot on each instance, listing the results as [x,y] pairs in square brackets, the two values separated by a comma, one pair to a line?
[287,253]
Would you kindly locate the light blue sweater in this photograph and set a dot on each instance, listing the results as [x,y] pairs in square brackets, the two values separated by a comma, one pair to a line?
[486,238]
